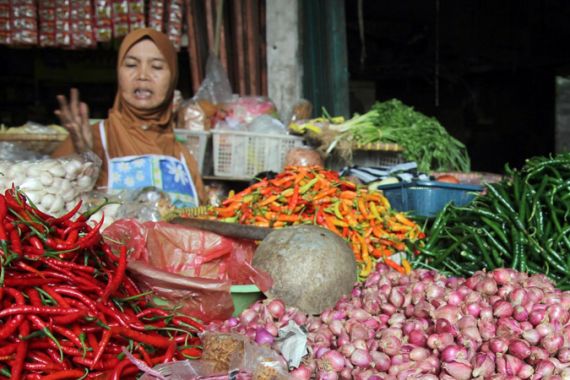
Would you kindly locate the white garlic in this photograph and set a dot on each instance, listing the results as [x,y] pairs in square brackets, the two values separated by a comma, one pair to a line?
[31,183]
[35,196]
[47,201]
[72,169]
[69,194]
[46,179]
[57,170]
[65,185]
[57,205]
[34,171]
[85,182]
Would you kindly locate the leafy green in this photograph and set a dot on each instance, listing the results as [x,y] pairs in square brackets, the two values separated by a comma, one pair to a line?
[423,138]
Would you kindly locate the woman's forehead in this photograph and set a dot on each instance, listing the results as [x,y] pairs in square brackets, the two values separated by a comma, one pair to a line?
[145,49]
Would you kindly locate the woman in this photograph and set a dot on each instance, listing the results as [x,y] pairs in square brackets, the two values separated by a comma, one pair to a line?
[136,142]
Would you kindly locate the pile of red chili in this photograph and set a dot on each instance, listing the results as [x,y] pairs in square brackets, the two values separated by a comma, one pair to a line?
[313,195]
[68,307]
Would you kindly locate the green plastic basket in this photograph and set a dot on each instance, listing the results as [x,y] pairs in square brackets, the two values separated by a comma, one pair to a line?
[244,296]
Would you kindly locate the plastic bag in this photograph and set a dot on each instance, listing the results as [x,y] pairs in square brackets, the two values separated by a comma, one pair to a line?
[304,156]
[53,185]
[267,125]
[245,109]
[186,267]
[191,116]
[215,87]
[227,354]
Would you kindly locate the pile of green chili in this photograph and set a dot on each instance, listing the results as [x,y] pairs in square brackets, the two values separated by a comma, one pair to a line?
[522,222]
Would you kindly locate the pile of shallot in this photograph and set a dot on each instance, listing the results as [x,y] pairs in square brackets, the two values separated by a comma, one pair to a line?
[498,325]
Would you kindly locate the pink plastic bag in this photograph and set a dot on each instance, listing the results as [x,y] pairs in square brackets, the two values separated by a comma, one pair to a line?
[187,268]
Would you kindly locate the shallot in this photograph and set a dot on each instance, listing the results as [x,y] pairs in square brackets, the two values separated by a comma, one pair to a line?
[497,325]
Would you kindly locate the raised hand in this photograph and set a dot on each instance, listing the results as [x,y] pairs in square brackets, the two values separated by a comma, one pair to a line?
[74,116]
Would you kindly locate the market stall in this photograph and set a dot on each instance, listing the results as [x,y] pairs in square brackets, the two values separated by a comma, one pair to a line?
[329,247]
[359,248]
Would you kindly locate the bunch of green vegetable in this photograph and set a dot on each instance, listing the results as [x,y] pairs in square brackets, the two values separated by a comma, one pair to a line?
[423,138]
[522,222]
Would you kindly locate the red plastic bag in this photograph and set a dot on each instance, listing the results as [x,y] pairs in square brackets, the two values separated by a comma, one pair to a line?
[188,268]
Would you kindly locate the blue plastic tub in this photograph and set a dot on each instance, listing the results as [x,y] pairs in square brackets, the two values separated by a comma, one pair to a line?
[428,198]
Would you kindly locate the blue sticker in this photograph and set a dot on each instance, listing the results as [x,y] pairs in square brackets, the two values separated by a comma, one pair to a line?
[175,178]
[132,174]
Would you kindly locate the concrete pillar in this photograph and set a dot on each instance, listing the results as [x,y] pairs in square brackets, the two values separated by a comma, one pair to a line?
[562,114]
[284,61]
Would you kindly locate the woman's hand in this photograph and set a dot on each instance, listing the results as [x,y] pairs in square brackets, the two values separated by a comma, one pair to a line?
[74,116]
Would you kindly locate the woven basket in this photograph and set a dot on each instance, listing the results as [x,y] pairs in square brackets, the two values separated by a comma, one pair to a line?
[42,143]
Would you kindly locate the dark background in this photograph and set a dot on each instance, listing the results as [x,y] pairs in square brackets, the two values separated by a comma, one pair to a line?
[498,61]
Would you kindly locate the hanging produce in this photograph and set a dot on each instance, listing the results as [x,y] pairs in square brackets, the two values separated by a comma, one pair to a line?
[312,195]
[521,222]
[69,309]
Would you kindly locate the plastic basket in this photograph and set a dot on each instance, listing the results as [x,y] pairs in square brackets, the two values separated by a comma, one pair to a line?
[372,155]
[428,198]
[244,296]
[196,142]
[242,155]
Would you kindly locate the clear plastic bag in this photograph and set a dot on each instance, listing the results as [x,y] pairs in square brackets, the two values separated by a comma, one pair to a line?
[215,87]
[245,109]
[188,268]
[228,356]
[53,185]
[191,116]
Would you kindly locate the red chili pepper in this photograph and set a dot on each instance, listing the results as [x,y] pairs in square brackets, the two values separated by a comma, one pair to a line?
[104,365]
[63,375]
[37,244]
[21,351]
[118,277]
[153,340]
[34,297]
[101,348]
[15,243]
[68,334]
[43,310]
[192,352]
[179,320]
[108,311]
[121,369]
[68,215]
[8,348]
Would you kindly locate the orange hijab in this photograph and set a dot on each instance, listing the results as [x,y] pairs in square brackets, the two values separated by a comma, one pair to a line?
[132,132]
[125,125]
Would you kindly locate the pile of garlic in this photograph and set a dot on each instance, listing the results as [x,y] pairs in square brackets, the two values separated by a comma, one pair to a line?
[53,185]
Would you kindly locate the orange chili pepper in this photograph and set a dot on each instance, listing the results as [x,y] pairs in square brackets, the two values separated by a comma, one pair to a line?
[268,200]
[405,221]
[348,194]
[394,265]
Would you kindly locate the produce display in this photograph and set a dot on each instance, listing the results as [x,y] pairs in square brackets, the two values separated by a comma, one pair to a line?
[521,222]
[54,185]
[312,195]
[496,325]
[69,309]
[423,138]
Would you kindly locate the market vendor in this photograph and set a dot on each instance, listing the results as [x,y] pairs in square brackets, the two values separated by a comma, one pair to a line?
[136,142]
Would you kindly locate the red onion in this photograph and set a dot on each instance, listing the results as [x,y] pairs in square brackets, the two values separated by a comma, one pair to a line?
[544,329]
[327,376]
[360,358]
[453,353]
[564,355]
[472,333]
[454,298]
[487,328]
[390,345]
[557,314]
[504,276]
[486,312]
[336,327]
[537,354]
[518,297]
[276,308]
[473,309]
[543,369]
[434,292]
[417,337]
[532,336]
[484,365]
[459,370]
[396,297]
[301,373]
[247,316]
[499,345]
[526,371]
[439,341]
[419,354]
[347,349]
[449,312]
[552,343]
[332,361]
[512,365]
[519,348]
[381,361]
[520,313]
[502,309]
[487,286]
[321,351]
[360,344]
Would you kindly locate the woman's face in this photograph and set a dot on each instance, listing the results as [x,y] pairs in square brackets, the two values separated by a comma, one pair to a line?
[144,76]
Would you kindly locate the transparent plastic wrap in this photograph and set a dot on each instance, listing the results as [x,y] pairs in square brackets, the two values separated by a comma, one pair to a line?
[156,15]
[304,156]
[24,19]
[231,356]
[192,117]
[103,20]
[53,185]
[188,269]
[215,87]
[245,109]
